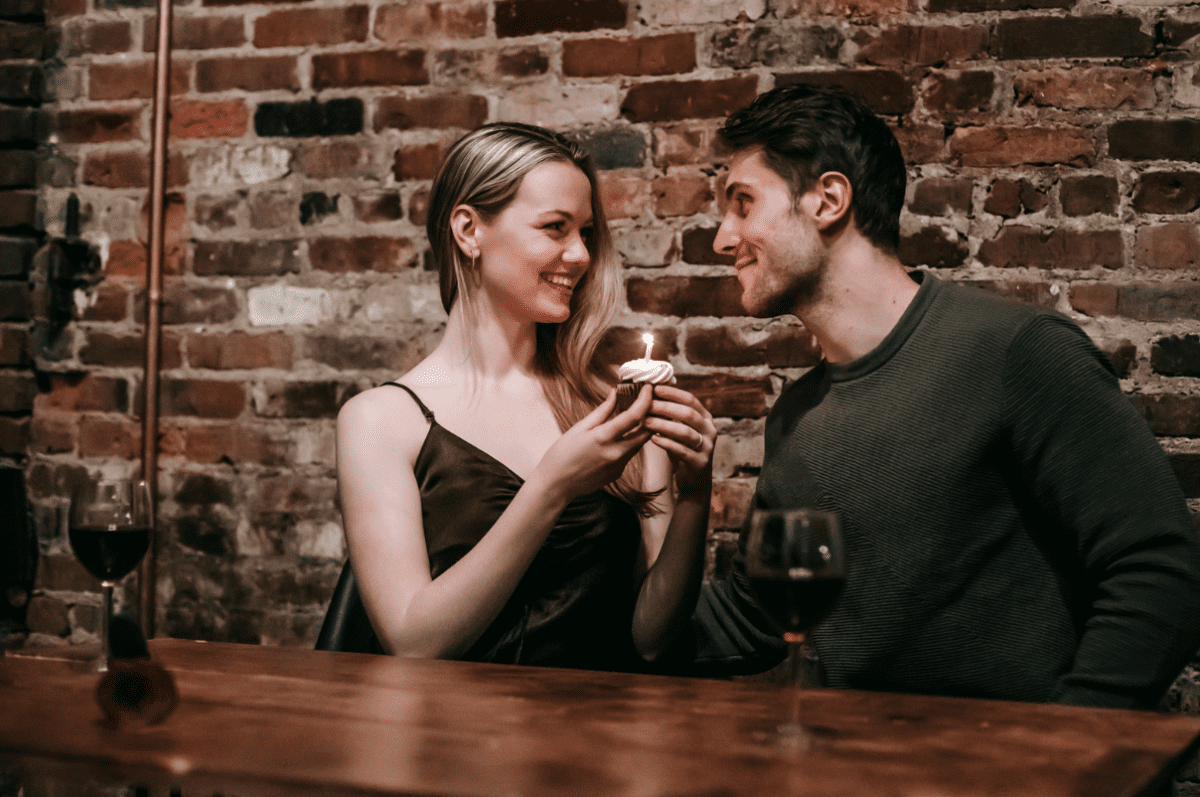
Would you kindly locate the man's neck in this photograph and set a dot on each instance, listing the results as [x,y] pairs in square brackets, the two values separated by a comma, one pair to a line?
[862,297]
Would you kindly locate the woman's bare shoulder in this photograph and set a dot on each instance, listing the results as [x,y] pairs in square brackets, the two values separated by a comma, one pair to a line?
[386,415]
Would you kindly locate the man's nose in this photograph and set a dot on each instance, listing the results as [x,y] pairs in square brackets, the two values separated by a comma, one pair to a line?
[727,240]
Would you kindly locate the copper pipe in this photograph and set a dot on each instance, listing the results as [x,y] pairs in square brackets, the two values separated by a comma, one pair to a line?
[147,580]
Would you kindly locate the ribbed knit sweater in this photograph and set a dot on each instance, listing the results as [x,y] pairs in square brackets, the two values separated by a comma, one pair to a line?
[1013,528]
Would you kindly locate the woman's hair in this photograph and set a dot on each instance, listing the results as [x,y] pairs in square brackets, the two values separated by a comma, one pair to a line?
[484,170]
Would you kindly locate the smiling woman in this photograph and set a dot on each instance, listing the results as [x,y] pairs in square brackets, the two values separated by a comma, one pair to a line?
[496,507]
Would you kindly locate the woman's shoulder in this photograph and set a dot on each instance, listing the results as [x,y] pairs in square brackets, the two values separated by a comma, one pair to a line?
[386,414]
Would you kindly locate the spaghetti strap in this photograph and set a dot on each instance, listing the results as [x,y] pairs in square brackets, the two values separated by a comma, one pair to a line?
[428,412]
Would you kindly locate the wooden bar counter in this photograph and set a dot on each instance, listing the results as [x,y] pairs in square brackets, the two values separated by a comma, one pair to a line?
[282,721]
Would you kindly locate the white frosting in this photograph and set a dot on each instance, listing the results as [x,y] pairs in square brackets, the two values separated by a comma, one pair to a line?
[654,372]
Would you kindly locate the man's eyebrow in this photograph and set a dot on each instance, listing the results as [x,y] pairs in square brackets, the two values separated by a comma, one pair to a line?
[731,187]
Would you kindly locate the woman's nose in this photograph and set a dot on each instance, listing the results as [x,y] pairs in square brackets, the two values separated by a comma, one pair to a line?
[577,251]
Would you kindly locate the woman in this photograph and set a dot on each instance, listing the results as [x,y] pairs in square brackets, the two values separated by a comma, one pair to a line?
[495,506]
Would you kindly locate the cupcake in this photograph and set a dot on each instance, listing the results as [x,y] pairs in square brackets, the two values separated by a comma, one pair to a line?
[635,373]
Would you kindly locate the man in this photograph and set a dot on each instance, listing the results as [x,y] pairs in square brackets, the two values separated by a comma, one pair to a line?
[1013,528]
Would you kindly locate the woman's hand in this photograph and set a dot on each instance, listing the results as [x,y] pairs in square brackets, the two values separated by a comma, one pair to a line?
[593,453]
[684,429]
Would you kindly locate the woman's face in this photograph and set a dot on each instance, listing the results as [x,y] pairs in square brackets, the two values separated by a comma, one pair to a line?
[535,251]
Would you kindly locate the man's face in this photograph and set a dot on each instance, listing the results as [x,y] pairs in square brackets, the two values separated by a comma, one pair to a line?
[778,253]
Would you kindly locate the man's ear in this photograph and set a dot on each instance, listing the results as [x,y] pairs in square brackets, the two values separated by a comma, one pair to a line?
[832,192]
[465,225]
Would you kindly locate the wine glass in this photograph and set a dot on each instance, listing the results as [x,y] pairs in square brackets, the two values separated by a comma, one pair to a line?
[109,530]
[796,566]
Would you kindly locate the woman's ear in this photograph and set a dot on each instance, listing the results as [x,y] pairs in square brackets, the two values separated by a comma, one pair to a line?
[465,224]
[832,192]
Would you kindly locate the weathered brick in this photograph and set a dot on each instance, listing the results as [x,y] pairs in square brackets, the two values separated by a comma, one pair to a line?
[1088,194]
[668,54]
[273,210]
[973,6]
[1169,414]
[212,443]
[529,17]
[625,194]
[133,81]
[301,119]
[130,169]
[208,119]
[685,297]
[465,111]
[1122,355]
[687,99]
[301,399]
[682,193]
[128,351]
[203,398]
[1155,139]
[956,92]
[198,33]
[885,92]
[1148,301]
[921,143]
[379,207]
[775,45]
[109,302]
[1058,248]
[239,350]
[653,13]
[646,246]
[1168,246]
[418,162]
[698,248]
[942,196]
[620,344]
[730,504]
[418,206]
[727,396]
[53,434]
[59,9]
[1186,466]
[613,148]
[375,68]
[80,392]
[185,304]
[97,126]
[1167,192]
[22,84]
[304,27]
[95,37]
[248,74]
[1072,37]
[47,615]
[359,352]
[1009,198]
[1176,355]
[557,106]
[398,23]
[22,125]
[925,45]
[18,209]
[1030,292]
[109,437]
[936,247]
[12,347]
[63,573]
[1022,146]
[246,258]
[366,254]
[25,40]
[325,159]
[315,206]
[16,256]
[688,143]
[779,346]
[1106,88]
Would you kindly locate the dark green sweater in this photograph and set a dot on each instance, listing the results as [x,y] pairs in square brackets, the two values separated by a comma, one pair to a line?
[1013,528]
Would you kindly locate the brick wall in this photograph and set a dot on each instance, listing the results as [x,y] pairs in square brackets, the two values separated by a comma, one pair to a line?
[1052,144]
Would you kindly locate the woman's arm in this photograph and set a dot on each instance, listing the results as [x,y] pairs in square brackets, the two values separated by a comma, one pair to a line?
[414,615]
[674,541]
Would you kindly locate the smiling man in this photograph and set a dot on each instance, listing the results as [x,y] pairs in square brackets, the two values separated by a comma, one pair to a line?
[1013,528]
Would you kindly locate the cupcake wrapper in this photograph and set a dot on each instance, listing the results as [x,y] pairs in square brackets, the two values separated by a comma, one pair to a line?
[627,393]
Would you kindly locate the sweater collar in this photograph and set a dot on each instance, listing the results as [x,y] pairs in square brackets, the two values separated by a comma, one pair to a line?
[895,339]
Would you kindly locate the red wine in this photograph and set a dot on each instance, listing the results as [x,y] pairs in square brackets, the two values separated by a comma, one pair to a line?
[109,554]
[796,605]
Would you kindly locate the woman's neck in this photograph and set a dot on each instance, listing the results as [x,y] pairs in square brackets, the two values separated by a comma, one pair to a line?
[493,349]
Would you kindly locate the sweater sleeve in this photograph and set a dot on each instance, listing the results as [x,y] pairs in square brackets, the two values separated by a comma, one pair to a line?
[1101,480]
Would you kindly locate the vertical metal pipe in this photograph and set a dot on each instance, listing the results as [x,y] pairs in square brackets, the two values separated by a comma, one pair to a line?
[158,180]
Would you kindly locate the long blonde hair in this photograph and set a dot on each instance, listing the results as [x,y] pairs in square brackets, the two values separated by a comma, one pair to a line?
[484,170]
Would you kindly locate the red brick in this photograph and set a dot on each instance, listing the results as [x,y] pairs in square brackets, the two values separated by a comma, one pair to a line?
[688,143]
[380,207]
[1008,198]
[727,396]
[925,45]
[1176,355]
[12,347]
[698,248]
[198,33]
[128,351]
[1105,88]
[1108,36]
[133,81]
[239,350]
[884,91]
[942,196]
[519,62]
[466,111]
[82,393]
[201,119]
[326,159]
[18,208]
[957,92]
[921,143]
[213,443]
[361,352]
[247,74]
[98,126]
[18,168]
[188,304]
[371,253]
[775,46]
[304,27]
[682,194]
[779,346]
[125,259]
[376,68]
[620,344]
[625,193]
[53,434]
[46,615]
[530,17]
[851,9]
[1141,301]
[418,162]
[130,169]
[1022,146]
[418,206]
[110,300]
[246,258]
[400,23]
[1167,192]
[936,247]
[1057,248]
[176,230]
[63,573]
[669,54]
[1094,298]
[730,503]
[204,398]
[96,37]
[686,297]
[1035,293]
[1170,414]
[302,399]
[18,392]
[1154,139]
[1088,194]
[58,9]
[1168,246]
[688,99]
[109,437]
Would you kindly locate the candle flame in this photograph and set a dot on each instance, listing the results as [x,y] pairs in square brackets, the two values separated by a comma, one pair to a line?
[648,339]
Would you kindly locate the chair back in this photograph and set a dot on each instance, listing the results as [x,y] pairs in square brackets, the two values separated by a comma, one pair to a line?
[346,627]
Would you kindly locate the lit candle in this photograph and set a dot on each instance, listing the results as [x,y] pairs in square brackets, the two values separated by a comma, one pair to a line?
[648,339]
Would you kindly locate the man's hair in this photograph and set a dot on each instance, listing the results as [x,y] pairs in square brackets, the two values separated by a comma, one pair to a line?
[805,131]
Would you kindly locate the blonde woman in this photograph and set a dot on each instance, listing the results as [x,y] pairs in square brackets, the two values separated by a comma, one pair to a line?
[496,507]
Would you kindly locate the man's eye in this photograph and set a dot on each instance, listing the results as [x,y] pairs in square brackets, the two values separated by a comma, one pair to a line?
[587,233]
[557,226]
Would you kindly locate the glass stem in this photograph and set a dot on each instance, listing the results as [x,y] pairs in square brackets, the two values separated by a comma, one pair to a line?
[796,679]
[105,622]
